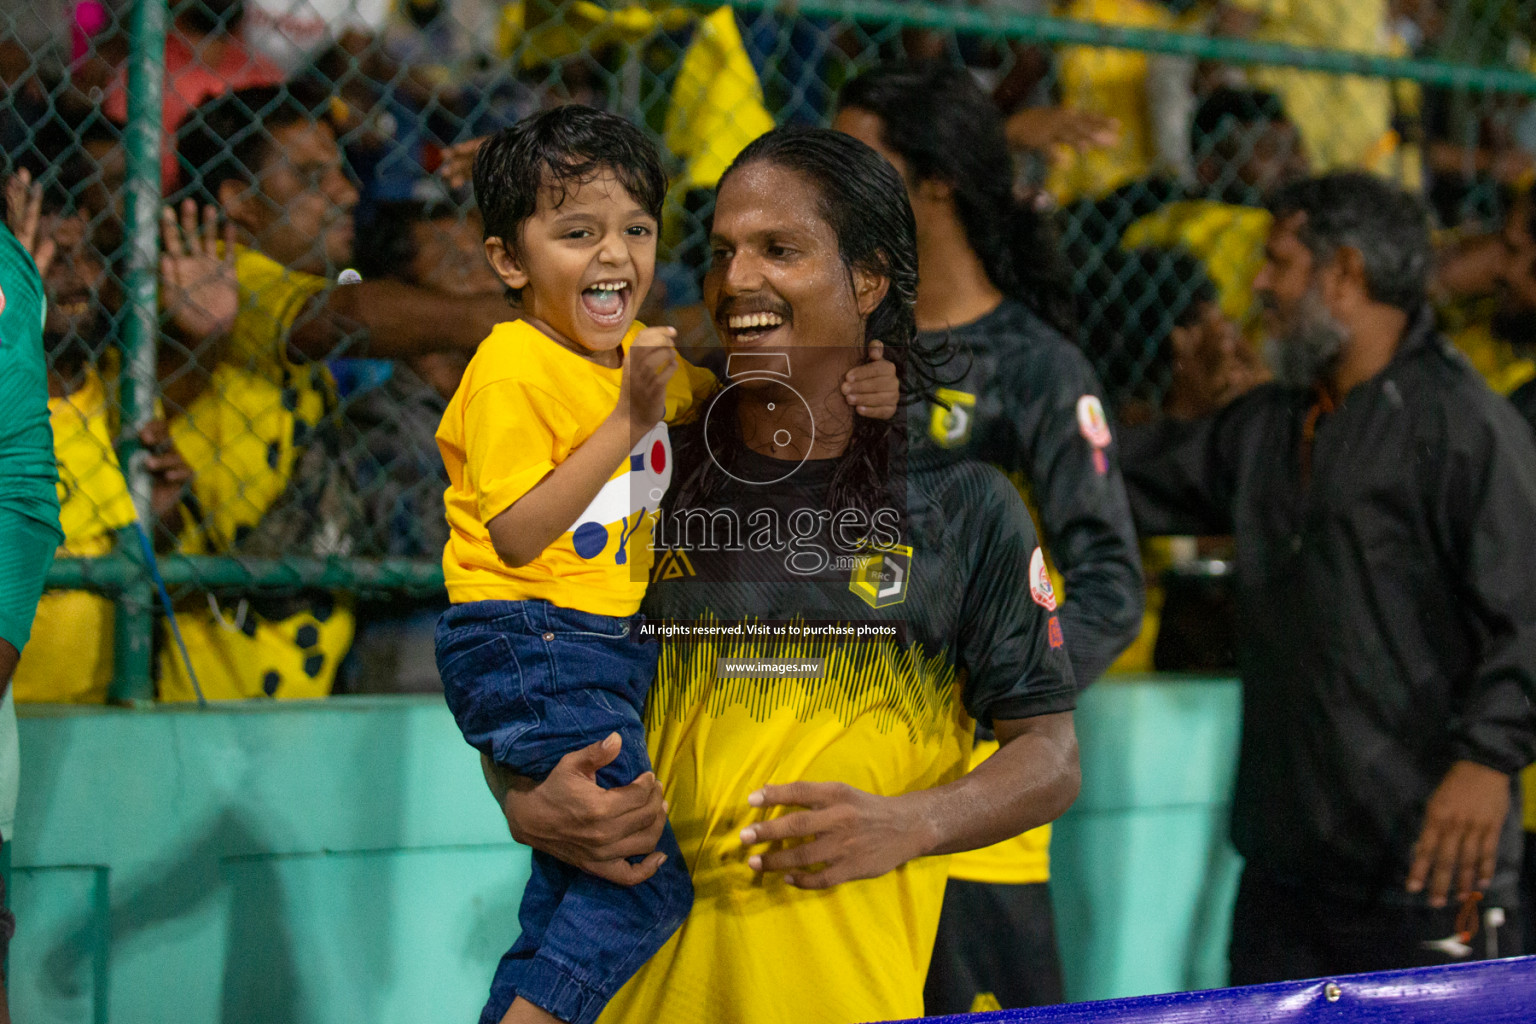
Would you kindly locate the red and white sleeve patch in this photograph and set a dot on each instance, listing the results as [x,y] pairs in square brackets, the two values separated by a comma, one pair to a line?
[1091,421]
[1040,582]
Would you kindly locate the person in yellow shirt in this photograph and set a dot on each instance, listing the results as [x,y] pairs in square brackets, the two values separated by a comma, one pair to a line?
[1345,120]
[70,657]
[1243,147]
[1480,287]
[558,456]
[1111,83]
[252,404]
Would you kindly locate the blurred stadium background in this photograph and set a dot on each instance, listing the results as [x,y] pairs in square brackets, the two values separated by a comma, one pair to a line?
[1203,107]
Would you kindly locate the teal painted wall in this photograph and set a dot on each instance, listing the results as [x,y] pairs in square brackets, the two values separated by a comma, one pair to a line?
[340,861]
[1143,876]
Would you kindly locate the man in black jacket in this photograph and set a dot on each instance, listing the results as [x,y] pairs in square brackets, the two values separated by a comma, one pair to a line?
[1383,502]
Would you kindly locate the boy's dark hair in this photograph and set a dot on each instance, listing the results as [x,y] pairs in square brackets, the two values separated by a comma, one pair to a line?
[228,138]
[1388,226]
[947,129]
[554,152]
[386,239]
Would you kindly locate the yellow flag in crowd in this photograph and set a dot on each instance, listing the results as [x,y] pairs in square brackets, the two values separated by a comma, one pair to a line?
[579,26]
[717,102]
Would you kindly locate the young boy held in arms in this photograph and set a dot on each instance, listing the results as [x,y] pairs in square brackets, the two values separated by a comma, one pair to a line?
[558,455]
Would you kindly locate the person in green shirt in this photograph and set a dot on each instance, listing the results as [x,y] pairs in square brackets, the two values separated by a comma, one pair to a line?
[29,500]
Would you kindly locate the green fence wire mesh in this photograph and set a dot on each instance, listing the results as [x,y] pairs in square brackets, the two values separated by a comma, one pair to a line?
[233,402]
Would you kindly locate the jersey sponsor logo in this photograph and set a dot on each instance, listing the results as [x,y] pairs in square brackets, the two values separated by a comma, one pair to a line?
[1040,582]
[625,500]
[881,579]
[1091,421]
[951,428]
[672,565]
[1053,633]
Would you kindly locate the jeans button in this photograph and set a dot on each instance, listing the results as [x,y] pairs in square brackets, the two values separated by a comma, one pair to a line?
[549,636]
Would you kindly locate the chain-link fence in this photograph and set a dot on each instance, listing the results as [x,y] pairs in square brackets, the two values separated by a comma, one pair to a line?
[233,442]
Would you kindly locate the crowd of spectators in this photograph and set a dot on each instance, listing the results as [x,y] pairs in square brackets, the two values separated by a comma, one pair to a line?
[321,140]
[323,283]
[301,130]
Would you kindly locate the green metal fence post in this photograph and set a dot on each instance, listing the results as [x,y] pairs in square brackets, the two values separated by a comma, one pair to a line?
[134,622]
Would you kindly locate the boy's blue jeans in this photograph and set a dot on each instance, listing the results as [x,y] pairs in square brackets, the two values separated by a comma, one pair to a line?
[529,682]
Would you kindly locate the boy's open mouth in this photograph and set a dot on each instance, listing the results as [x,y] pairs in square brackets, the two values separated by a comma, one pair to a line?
[749,328]
[606,302]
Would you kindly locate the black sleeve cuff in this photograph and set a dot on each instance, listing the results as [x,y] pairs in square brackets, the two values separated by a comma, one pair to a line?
[1029,706]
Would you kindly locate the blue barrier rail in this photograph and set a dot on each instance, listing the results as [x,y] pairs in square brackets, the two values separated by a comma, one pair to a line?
[1489,992]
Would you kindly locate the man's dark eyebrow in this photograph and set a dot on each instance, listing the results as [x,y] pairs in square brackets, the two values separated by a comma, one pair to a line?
[792,234]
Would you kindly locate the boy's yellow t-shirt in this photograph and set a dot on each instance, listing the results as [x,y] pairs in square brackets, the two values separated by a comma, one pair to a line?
[525,403]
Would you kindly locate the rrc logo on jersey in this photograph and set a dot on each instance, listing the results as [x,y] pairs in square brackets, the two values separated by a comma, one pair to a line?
[951,428]
[880,579]
[1040,582]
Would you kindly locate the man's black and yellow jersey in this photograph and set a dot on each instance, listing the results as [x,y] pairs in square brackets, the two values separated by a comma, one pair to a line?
[963,642]
[1030,404]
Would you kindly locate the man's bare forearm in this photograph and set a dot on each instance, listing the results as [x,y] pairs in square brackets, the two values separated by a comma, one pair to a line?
[392,320]
[1030,781]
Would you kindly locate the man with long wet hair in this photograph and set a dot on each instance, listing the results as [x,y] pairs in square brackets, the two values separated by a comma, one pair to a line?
[811,724]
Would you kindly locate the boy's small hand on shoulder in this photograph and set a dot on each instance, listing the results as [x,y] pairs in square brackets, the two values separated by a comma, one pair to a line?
[649,365]
[872,388]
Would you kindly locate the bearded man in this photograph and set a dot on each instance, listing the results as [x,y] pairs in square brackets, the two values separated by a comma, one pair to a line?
[1383,502]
